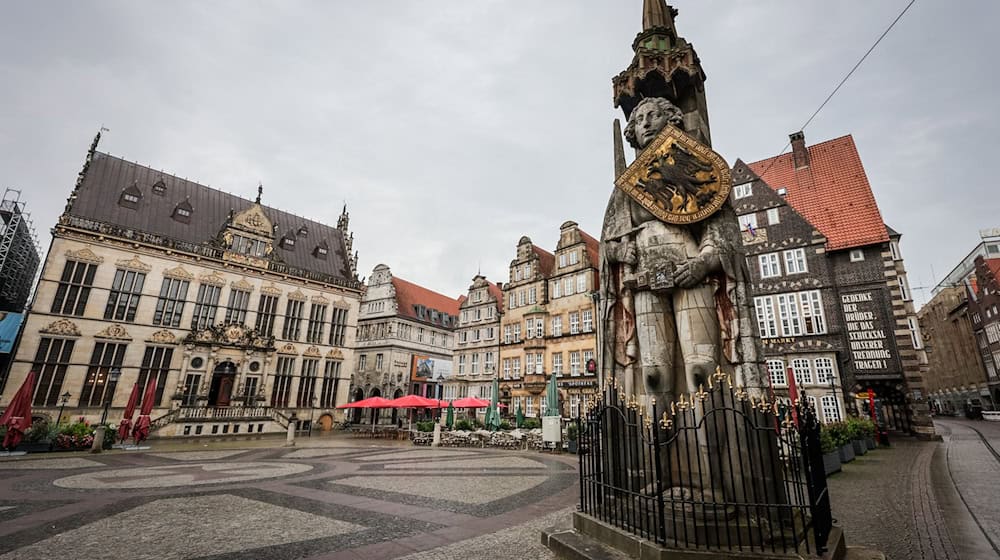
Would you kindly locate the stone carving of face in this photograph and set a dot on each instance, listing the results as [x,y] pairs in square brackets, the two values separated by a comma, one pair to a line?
[648,119]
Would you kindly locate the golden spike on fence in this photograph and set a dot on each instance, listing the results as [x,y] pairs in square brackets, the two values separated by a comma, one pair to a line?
[729,380]
[673,409]
[702,395]
[710,386]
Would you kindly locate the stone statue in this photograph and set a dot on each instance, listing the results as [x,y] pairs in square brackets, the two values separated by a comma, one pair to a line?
[674,297]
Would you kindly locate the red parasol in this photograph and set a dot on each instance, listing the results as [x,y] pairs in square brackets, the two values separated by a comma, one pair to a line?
[415,401]
[126,424]
[17,415]
[372,402]
[141,430]
[471,402]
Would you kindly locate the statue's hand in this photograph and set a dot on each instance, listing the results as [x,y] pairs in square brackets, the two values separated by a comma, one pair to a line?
[691,273]
[622,252]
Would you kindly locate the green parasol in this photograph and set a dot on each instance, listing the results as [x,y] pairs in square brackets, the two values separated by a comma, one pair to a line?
[552,398]
[493,411]
[450,419]
[519,417]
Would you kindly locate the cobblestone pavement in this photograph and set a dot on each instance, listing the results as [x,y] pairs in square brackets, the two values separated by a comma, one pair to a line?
[337,499]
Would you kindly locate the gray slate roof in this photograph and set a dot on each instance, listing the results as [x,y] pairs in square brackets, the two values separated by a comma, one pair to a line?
[107,176]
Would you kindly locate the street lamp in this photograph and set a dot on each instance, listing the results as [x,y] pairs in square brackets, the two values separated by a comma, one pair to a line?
[113,377]
[62,405]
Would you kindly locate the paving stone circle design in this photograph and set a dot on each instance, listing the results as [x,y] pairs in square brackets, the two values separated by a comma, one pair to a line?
[184,474]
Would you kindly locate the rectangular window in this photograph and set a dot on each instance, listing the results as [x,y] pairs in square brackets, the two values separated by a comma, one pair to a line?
[588,320]
[506,368]
[539,327]
[556,325]
[824,370]
[488,365]
[529,364]
[562,260]
[170,304]
[532,295]
[574,363]
[317,321]
[831,408]
[236,311]
[124,297]
[795,261]
[857,255]
[766,323]
[266,309]
[915,337]
[284,371]
[155,365]
[520,298]
[74,288]
[556,288]
[516,366]
[777,370]
[812,312]
[568,286]
[587,356]
[802,370]
[529,406]
[574,257]
[51,361]
[574,323]
[97,385]
[574,406]
[507,334]
[475,363]
[769,265]
[788,313]
[773,217]
[293,320]
[748,222]
[205,307]
[743,191]
[904,287]
[557,363]
[338,326]
[513,301]
[517,332]
[307,383]
[461,364]
[581,284]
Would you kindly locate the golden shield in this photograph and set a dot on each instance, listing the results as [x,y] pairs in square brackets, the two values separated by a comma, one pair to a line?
[678,179]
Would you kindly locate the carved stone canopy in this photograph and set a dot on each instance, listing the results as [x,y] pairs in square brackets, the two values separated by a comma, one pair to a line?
[271,290]
[254,220]
[312,352]
[134,264]
[62,327]
[242,284]
[297,295]
[213,279]
[114,332]
[233,335]
[162,337]
[335,354]
[320,300]
[85,255]
[288,348]
[178,272]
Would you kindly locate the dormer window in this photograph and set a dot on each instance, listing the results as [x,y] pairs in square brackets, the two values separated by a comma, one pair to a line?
[182,212]
[159,187]
[130,197]
[303,231]
[288,241]
[321,250]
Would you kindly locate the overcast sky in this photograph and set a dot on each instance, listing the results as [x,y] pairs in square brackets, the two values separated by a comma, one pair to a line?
[452,128]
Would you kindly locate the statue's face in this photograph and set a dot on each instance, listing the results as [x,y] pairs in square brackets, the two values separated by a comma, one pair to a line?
[649,121]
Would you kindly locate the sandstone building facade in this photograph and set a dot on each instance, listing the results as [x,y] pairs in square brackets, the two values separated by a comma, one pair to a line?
[244,315]
[477,342]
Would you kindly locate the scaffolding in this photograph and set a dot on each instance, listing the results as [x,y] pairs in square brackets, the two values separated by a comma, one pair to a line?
[19,253]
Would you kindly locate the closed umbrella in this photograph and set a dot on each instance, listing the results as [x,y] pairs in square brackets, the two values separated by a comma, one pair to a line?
[450,419]
[17,415]
[125,427]
[519,417]
[141,431]
[552,398]
[493,412]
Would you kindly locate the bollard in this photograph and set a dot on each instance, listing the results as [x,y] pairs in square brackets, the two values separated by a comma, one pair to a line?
[437,435]
[290,440]
[98,444]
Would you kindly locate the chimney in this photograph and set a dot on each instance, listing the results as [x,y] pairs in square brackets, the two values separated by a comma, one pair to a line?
[800,154]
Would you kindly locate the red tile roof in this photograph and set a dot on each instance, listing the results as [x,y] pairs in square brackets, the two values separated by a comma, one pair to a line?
[833,193]
[546,260]
[994,266]
[497,293]
[409,295]
[593,249]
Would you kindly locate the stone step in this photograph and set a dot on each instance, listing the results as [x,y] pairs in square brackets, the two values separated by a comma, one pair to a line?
[568,544]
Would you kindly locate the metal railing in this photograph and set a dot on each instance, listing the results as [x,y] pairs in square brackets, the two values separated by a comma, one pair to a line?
[717,470]
[224,413]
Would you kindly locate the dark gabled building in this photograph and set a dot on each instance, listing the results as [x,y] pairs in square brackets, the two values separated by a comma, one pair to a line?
[984,307]
[831,295]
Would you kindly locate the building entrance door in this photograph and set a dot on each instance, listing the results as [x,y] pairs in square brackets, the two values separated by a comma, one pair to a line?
[223,378]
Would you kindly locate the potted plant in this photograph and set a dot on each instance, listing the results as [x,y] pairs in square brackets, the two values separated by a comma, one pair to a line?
[868,433]
[856,433]
[842,441]
[831,454]
[38,438]
[75,436]
[571,437]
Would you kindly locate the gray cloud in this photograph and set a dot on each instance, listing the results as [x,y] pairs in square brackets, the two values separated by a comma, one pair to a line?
[452,128]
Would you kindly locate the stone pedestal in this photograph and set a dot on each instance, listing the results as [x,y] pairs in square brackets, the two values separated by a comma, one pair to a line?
[98,444]
[437,435]
[290,439]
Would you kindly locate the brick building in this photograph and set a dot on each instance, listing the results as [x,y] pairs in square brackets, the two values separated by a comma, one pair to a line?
[832,301]
[984,308]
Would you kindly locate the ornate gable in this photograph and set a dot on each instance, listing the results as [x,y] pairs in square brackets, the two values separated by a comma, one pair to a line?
[85,255]
[320,300]
[242,284]
[179,273]
[162,337]
[288,348]
[335,354]
[213,279]
[254,220]
[62,327]
[114,332]
[271,290]
[312,352]
[297,295]
[133,264]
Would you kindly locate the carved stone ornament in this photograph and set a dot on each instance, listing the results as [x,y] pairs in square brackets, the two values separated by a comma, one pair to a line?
[677,179]
[288,348]
[85,255]
[114,332]
[178,272]
[320,300]
[335,354]
[254,220]
[62,327]
[271,290]
[163,337]
[234,333]
[242,284]
[297,295]
[312,352]
[213,279]
[133,264]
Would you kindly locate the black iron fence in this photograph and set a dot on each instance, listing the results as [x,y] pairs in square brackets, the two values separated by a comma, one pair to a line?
[717,469]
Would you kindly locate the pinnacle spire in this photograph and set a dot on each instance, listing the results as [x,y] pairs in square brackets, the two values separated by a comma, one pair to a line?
[656,13]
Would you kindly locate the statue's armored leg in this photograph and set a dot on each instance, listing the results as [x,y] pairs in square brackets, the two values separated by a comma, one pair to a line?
[657,337]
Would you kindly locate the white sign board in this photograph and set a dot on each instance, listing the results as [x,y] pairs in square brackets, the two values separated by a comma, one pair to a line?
[551,429]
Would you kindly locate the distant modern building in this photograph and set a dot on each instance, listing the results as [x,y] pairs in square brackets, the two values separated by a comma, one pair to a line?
[243,315]
[19,254]
[405,345]
[988,248]
[549,323]
[984,307]
[477,342]
[832,301]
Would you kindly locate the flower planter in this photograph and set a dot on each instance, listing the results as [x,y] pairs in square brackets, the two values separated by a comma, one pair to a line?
[860,448]
[35,447]
[870,443]
[846,453]
[831,462]
[572,446]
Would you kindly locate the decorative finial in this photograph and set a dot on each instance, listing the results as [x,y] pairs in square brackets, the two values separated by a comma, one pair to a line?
[260,191]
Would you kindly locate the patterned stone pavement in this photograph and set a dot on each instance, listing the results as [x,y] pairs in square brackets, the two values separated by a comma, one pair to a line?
[343,501]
